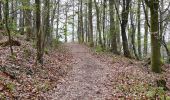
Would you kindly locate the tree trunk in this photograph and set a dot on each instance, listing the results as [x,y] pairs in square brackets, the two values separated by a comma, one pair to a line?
[125,14]
[86,24]
[98,23]
[65,26]
[1,22]
[133,34]
[53,15]
[73,35]
[139,29]
[155,37]
[104,24]
[78,26]
[27,19]
[58,16]
[146,35]
[7,25]
[117,3]
[112,28]
[38,32]
[90,17]
[81,22]
[21,20]
[46,29]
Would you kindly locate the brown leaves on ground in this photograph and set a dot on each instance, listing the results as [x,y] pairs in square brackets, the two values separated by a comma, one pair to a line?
[131,79]
[21,78]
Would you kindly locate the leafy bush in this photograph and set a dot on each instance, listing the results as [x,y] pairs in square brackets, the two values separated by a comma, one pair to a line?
[157,93]
[55,43]
[98,49]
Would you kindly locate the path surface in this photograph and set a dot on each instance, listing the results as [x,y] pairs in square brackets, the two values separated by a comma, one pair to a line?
[87,80]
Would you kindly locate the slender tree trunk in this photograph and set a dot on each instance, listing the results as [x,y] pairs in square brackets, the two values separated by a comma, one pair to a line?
[16,13]
[98,23]
[58,16]
[12,10]
[162,31]
[7,25]
[139,29]
[90,17]
[47,22]
[86,23]
[104,24]
[73,35]
[81,22]
[146,35]
[53,15]
[21,20]
[27,19]
[1,22]
[46,36]
[65,26]
[38,32]
[79,28]
[118,28]
[133,34]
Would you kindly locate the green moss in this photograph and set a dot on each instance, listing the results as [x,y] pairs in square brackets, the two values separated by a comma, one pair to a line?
[155,42]
[10,86]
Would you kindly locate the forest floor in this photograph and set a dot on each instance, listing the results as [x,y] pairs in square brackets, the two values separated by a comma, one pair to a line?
[105,77]
[22,79]
[75,72]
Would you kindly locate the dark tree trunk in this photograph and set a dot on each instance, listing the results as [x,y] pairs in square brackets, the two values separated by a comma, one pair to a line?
[81,22]
[139,29]
[125,14]
[38,32]
[104,24]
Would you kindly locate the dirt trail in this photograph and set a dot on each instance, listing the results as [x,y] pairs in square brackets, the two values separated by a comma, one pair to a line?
[87,80]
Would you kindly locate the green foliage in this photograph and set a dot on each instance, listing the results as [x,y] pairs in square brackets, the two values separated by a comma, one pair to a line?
[98,48]
[46,50]
[10,86]
[162,60]
[168,44]
[55,43]
[157,92]
[43,86]
[2,96]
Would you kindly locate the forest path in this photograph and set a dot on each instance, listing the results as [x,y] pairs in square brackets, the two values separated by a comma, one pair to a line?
[87,80]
